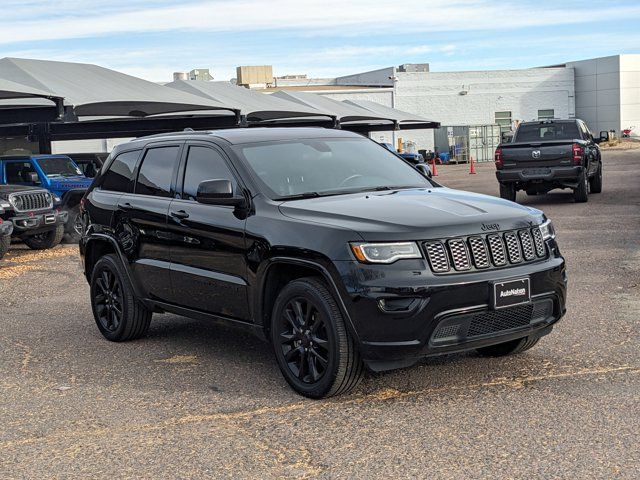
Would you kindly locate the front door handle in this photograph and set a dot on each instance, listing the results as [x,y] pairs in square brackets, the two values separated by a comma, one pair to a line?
[181,214]
[126,206]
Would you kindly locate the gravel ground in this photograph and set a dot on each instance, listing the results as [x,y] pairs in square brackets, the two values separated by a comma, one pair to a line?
[195,400]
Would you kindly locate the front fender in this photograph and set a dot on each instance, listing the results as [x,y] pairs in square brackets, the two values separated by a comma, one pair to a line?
[92,244]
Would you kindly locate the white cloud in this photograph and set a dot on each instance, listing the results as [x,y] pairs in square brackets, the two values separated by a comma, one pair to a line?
[76,19]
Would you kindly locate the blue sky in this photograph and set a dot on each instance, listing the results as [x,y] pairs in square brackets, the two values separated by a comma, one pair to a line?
[152,39]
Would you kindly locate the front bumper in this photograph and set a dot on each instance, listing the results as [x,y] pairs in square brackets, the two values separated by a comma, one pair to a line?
[31,224]
[540,174]
[6,228]
[444,313]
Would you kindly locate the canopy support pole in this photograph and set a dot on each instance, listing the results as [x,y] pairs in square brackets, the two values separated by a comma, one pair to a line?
[40,132]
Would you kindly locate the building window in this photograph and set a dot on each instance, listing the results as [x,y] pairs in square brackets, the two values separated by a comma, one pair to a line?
[503,119]
[548,114]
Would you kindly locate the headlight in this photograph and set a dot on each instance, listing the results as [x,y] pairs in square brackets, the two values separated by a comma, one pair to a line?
[17,203]
[547,230]
[385,252]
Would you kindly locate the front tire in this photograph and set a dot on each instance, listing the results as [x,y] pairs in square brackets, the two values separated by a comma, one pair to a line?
[595,183]
[117,312]
[46,240]
[509,348]
[508,191]
[73,227]
[5,241]
[581,193]
[315,352]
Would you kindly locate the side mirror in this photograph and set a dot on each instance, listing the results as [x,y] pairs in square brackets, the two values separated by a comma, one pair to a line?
[218,192]
[33,178]
[424,169]
[604,136]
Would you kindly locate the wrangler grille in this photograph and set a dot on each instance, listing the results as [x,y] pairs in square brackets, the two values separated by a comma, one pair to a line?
[27,202]
[479,252]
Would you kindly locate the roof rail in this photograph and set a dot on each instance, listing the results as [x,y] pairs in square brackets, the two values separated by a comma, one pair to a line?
[186,131]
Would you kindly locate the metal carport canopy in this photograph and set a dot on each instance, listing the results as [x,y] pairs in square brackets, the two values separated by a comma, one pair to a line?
[91,90]
[403,119]
[345,113]
[253,105]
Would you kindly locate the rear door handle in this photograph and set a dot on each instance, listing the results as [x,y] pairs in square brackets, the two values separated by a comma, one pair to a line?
[181,214]
[126,206]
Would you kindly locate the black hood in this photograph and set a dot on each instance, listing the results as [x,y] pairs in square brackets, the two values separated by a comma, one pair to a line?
[414,214]
[6,190]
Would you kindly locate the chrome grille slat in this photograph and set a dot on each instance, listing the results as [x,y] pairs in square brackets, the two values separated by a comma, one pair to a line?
[437,256]
[527,245]
[496,247]
[538,242]
[459,254]
[31,201]
[513,247]
[479,252]
[485,251]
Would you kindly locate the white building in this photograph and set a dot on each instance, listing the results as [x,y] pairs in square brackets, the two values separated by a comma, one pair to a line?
[605,92]
[608,92]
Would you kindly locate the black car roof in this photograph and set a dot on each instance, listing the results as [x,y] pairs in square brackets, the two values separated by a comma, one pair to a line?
[250,135]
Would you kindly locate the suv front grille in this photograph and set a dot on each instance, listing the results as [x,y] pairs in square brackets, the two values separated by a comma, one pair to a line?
[33,201]
[480,252]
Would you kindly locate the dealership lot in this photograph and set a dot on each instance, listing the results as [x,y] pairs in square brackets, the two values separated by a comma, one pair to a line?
[195,399]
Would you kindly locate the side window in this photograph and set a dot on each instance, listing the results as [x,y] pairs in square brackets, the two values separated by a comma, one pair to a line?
[156,171]
[18,172]
[203,163]
[119,177]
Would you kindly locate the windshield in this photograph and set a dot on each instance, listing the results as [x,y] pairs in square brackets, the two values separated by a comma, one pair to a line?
[535,132]
[59,167]
[329,166]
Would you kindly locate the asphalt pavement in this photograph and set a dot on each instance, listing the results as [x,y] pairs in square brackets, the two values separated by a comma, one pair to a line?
[195,400]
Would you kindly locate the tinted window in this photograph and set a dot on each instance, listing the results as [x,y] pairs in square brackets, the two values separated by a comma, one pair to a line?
[156,171]
[18,172]
[203,164]
[536,132]
[327,166]
[119,177]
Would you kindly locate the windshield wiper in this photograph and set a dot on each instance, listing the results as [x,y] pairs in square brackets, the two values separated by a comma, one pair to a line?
[298,196]
[395,187]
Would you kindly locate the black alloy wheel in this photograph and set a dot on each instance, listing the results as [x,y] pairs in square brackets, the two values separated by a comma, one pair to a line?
[119,315]
[108,300]
[315,352]
[304,340]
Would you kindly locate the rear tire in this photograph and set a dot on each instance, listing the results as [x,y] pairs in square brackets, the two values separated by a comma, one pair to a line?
[46,240]
[315,352]
[5,241]
[532,193]
[508,191]
[581,193]
[595,182]
[509,348]
[119,315]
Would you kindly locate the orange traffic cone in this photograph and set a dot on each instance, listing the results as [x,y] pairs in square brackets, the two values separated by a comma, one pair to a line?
[472,167]
[434,170]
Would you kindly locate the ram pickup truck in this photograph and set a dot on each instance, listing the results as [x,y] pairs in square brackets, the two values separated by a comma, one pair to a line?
[31,215]
[550,154]
[58,174]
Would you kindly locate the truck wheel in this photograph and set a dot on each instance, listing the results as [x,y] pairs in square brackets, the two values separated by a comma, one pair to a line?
[5,241]
[508,191]
[315,352]
[581,193]
[73,227]
[532,193]
[595,182]
[46,240]
[117,312]
[509,348]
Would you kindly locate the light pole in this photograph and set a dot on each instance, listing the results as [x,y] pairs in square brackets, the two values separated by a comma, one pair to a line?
[394,79]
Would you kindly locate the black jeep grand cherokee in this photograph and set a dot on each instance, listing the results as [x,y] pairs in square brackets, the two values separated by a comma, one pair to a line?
[320,240]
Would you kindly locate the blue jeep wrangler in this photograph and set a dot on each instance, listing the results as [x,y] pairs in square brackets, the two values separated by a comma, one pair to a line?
[56,173]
